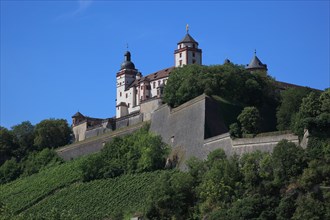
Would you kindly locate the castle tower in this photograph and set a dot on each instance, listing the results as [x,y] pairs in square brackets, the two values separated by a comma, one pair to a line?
[187,51]
[256,64]
[125,77]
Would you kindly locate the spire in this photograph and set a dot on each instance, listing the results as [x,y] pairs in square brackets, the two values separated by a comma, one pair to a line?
[187,28]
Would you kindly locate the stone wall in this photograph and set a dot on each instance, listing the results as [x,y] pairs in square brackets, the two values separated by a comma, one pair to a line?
[96,132]
[93,145]
[240,146]
[148,107]
[129,120]
[265,144]
[192,129]
[182,127]
[79,131]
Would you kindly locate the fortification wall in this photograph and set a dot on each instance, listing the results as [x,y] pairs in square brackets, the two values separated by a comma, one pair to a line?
[79,131]
[222,141]
[93,145]
[148,107]
[240,146]
[129,120]
[182,127]
[265,144]
[96,132]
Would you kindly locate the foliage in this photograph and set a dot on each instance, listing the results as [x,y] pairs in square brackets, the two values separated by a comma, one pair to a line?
[288,161]
[38,160]
[309,208]
[249,120]
[7,145]
[24,137]
[52,133]
[137,152]
[9,171]
[291,99]
[235,130]
[172,198]
[229,81]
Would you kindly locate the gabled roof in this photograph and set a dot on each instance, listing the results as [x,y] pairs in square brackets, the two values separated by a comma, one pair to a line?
[78,114]
[188,39]
[256,64]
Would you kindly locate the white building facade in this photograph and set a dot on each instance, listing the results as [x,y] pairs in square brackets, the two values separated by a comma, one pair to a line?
[133,89]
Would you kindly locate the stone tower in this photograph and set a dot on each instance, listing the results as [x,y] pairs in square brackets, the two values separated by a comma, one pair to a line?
[256,64]
[125,76]
[187,52]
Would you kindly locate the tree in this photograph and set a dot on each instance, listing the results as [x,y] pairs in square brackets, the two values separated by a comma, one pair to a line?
[172,198]
[308,112]
[179,87]
[137,152]
[23,137]
[309,208]
[288,162]
[290,102]
[7,145]
[52,133]
[35,161]
[249,120]
[9,171]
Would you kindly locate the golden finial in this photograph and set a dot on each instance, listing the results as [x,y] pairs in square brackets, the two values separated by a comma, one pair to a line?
[187,28]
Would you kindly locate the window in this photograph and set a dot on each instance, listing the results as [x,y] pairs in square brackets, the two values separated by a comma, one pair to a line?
[180,62]
[120,94]
[194,61]
[180,55]
[193,54]
[193,45]
[158,82]
[141,87]
[180,46]
[154,84]
[126,95]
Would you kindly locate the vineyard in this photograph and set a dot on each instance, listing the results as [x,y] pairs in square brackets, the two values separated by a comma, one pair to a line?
[60,188]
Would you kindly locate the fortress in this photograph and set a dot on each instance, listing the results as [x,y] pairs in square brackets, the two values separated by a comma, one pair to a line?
[192,129]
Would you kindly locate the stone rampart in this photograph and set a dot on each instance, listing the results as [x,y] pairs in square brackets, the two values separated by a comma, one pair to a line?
[240,146]
[192,129]
[129,120]
[94,144]
[182,127]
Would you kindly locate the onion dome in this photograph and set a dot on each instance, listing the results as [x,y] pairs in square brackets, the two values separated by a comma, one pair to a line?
[127,64]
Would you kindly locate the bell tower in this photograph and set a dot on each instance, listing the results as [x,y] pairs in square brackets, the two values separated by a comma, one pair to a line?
[125,77]
[187,51]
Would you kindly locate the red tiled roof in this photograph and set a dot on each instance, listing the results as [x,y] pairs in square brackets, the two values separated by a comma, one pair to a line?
[153,76]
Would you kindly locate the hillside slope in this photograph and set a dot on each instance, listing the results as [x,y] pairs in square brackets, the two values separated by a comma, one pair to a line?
[58,190]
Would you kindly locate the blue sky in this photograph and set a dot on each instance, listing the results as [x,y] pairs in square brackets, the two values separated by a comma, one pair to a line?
[58,57]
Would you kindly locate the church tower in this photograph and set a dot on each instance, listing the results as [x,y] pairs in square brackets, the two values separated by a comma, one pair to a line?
[125,77]
[187,51]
